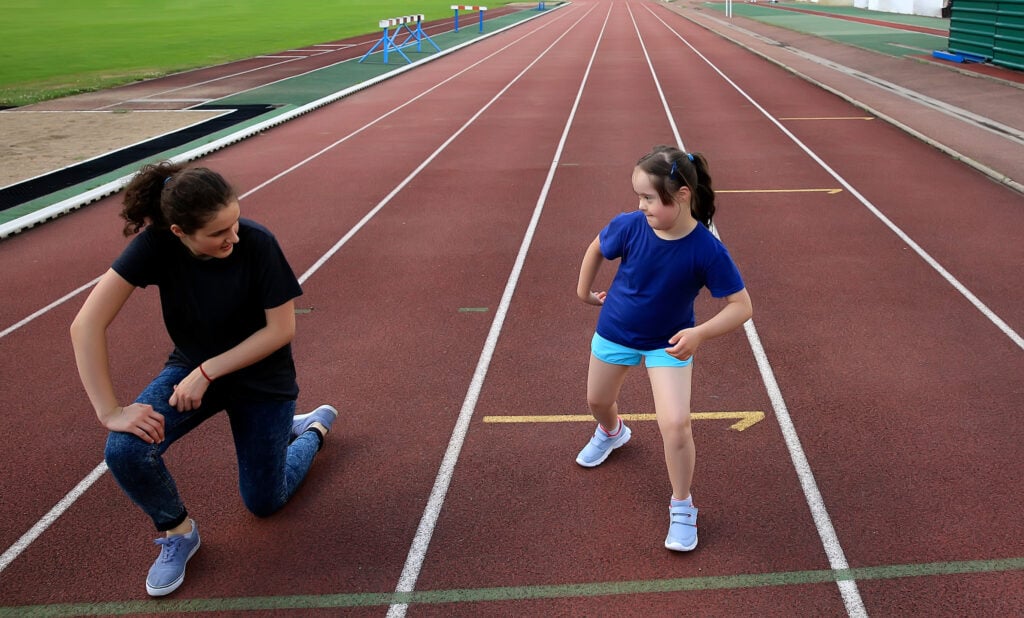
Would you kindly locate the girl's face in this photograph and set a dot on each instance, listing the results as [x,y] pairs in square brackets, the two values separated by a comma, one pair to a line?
[217,238]
[664,217]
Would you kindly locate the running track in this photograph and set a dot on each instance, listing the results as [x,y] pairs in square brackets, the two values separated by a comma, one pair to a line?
[437,221]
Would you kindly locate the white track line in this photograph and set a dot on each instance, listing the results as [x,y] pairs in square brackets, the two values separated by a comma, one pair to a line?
[425,530]
[26,539]
[60,301]
[829,539]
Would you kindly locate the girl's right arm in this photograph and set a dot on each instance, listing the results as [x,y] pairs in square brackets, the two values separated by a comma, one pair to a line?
[89,339]
[592,260]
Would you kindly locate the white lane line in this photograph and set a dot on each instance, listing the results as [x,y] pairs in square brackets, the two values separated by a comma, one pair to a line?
[425,530]
[12,552]
[60,301]
[149,100]
[26,539]
[822,521]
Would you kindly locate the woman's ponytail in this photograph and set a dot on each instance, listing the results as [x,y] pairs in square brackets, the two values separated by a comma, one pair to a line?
[142,197]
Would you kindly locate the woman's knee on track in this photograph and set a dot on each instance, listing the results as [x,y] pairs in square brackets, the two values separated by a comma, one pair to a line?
[125,451]
[262,504]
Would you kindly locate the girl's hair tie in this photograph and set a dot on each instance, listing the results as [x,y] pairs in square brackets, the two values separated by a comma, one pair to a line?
[689,156]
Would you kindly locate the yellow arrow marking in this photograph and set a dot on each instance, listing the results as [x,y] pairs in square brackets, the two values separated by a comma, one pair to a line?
[829,118]
[829,191]
[747,419]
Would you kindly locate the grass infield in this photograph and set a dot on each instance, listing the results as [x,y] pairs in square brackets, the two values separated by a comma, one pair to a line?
[54,48]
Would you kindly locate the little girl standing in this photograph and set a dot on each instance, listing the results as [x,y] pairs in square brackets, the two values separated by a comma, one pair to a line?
[667,254]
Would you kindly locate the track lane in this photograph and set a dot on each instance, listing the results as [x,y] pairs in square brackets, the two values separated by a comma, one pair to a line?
[935,423]
[605,524]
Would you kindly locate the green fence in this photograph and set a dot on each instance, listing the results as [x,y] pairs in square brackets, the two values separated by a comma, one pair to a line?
[993,29]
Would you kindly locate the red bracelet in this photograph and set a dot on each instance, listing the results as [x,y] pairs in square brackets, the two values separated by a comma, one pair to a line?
[203,371]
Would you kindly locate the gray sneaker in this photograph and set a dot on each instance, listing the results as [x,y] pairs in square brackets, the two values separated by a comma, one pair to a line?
[602,445]
[325,415]
[682,527]
[168,572]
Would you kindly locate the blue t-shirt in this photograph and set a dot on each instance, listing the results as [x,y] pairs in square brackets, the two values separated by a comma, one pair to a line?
[212,305]
[651,297]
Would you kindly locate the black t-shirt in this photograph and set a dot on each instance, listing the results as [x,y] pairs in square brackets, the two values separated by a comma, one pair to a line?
[211,305]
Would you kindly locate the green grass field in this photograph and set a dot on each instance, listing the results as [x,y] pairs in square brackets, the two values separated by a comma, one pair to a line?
[53,48]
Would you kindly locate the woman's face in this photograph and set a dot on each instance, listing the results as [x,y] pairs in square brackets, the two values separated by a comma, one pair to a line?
[217,238]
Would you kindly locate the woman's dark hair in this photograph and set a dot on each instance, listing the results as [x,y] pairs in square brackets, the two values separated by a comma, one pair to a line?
[165,194]
[671,169]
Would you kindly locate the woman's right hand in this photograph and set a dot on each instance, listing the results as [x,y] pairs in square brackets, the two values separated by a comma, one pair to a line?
[138,419]
[595,298]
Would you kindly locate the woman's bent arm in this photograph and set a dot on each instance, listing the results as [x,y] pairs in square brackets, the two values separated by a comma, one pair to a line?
[89,338]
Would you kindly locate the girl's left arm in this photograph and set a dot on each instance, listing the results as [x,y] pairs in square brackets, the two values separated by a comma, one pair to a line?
[278,332]
[738,309]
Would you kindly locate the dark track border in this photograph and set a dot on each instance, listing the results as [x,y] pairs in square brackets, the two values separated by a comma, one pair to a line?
[26,191]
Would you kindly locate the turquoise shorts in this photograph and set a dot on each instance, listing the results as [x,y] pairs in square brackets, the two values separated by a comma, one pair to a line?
[615,354]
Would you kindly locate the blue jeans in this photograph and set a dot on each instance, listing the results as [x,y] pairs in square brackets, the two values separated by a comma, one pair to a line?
[269,468]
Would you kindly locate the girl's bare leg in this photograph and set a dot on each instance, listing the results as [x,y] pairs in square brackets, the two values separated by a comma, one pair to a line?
[603,383]
[671,387]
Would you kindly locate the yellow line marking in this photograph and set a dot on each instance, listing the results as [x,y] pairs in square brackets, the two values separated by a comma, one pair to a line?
[829,191]
[746,419]
[830,118]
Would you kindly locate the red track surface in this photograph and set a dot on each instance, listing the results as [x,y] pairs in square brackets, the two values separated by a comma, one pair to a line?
[903,394]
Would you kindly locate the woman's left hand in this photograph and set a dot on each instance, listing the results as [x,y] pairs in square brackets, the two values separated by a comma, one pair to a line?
[684,343]
[188,394]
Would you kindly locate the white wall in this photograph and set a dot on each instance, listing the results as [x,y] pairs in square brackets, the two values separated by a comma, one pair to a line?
[927,8]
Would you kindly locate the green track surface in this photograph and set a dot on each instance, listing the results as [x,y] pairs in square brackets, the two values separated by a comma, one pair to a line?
[882,39]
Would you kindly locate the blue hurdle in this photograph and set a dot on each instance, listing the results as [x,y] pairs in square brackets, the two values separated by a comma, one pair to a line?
[456,7]
[387,40]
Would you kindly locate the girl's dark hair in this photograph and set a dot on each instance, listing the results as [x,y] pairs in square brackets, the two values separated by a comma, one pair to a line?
[671,169]
[162,194]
